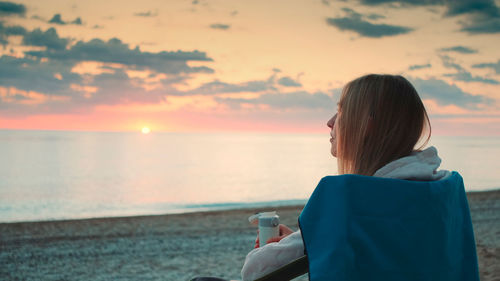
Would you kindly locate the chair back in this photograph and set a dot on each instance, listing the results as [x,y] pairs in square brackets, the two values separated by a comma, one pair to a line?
[361,228]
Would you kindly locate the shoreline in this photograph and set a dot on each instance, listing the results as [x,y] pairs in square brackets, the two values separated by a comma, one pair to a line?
[176,246]
[223,207]
[187,209]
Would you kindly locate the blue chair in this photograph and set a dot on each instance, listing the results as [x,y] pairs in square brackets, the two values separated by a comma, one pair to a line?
[360,228]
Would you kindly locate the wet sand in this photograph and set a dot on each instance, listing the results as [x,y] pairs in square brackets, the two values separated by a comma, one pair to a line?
[176,247]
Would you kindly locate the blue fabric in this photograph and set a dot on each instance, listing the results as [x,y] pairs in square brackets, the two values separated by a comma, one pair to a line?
[368,229]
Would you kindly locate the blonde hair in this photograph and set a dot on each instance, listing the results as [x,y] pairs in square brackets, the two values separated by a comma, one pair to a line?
[381,118]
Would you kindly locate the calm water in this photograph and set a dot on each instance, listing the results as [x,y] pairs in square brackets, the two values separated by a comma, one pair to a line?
[58,175]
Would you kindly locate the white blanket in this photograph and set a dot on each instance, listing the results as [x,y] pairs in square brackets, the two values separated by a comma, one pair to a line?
[420,165]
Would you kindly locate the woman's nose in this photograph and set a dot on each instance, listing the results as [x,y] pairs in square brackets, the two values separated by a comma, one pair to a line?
[331,122]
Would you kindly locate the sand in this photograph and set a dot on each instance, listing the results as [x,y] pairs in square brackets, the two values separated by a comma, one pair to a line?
[175,247]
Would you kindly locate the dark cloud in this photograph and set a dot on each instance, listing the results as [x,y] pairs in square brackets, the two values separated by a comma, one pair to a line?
[300,99]
[467,77]
[37,17]
[218,87]
[462,74]
[146,14]
[255,86]
[48,39]
[12,30]
[494,65]
[454,8]
[49,73]
[297,100]
[404,2]
[355,22]
[371,16]
[35,75]
[57,19]
[220,26]
[483,16]
[56,79]
[482,26]
[375,16]
[115,51]
[446,94]
[449,62]
[118,88]
[288,82]
[459,49]
[6,31]
[9,8]
[52,79]
[109,84]
[419,66]
[484,7]
[77,21]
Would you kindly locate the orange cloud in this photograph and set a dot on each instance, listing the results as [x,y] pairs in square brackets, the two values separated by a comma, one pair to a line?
[87,90]
[94,67]
[14,95]
[433,107]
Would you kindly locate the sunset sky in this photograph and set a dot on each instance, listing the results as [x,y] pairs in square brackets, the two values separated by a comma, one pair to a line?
[270,66]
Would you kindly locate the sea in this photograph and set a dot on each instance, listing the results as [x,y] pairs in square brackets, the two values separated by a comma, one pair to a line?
[58,175]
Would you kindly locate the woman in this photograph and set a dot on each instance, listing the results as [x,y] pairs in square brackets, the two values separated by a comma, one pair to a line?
[379,122]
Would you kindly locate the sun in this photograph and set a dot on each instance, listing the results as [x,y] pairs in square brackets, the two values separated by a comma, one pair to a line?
[146,130]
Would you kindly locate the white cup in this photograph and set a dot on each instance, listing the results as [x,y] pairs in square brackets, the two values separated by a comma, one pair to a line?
[268,225]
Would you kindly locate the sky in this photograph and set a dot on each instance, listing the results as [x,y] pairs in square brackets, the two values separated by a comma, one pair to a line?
[263,66]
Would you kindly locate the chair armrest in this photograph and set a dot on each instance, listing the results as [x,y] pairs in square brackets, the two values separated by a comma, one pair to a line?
[289,271]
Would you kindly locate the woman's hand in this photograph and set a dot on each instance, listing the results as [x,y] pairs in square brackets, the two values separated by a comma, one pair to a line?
[284,232]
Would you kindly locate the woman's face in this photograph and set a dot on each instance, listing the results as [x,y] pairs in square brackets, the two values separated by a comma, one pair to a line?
[332,124]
